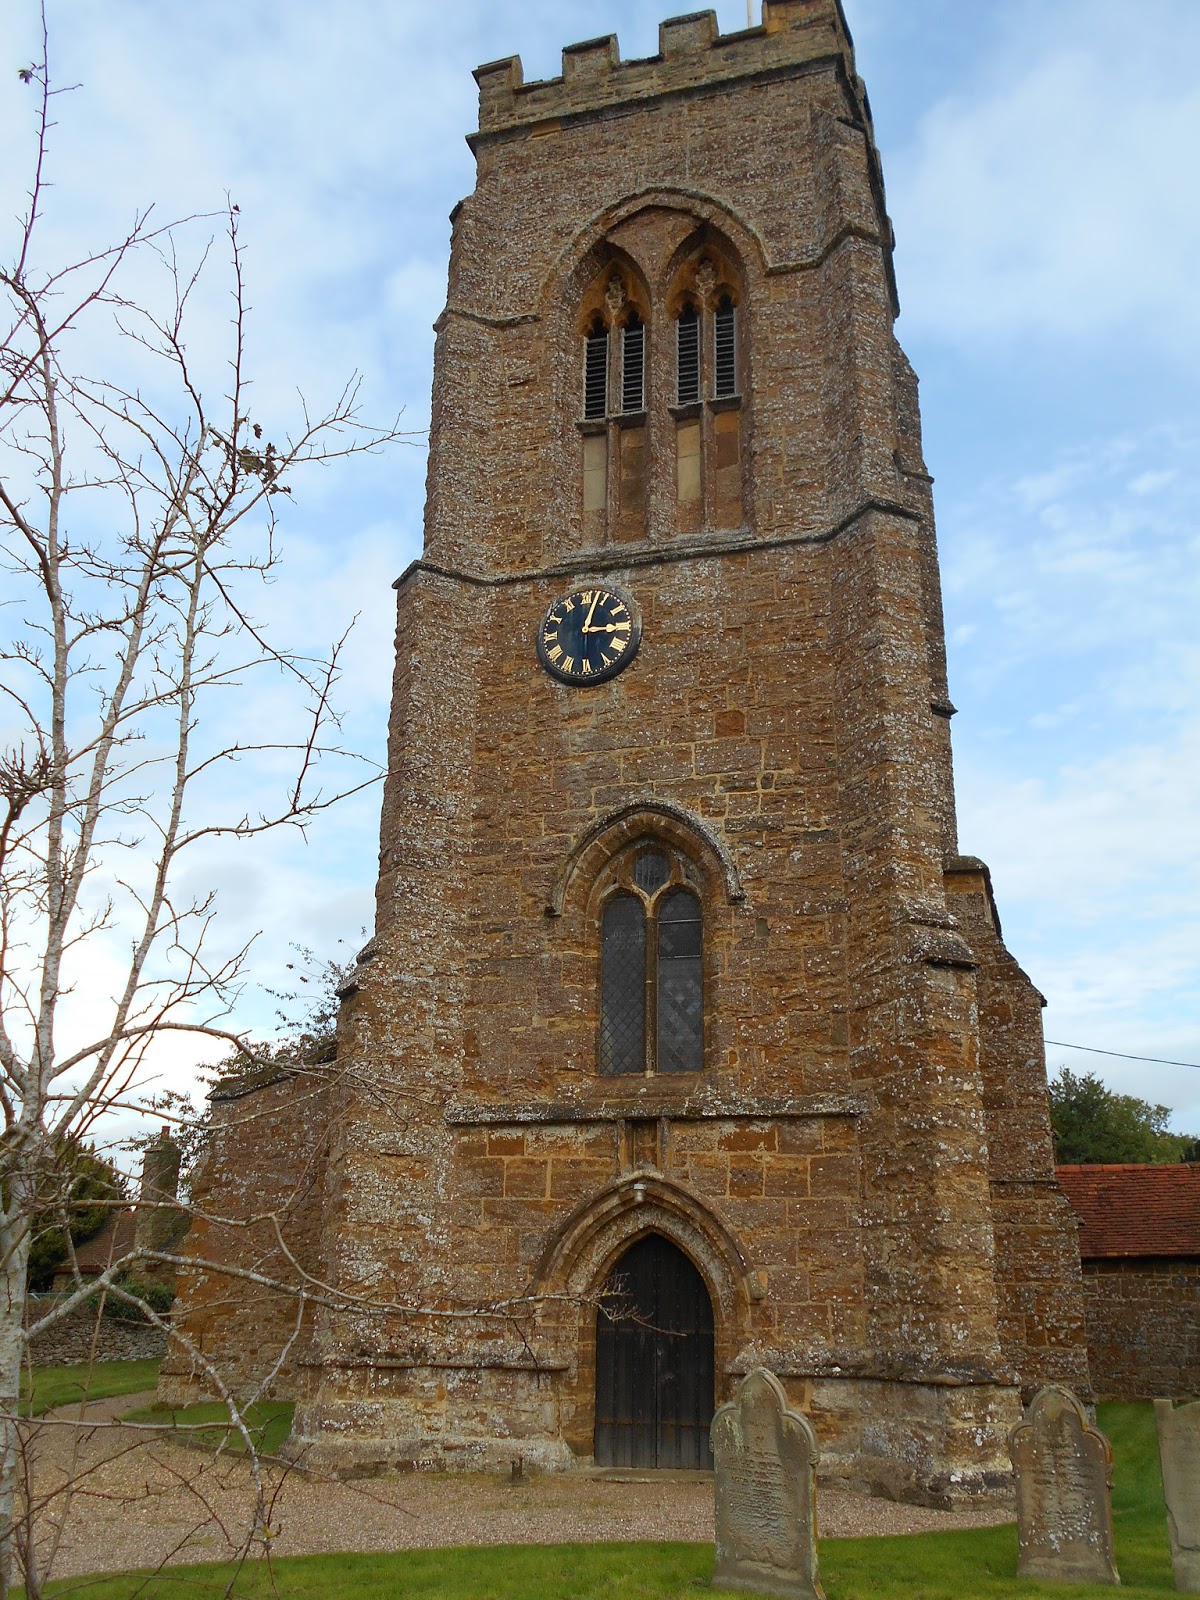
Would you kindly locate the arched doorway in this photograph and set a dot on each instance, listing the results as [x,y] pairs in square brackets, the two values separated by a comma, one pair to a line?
[654,1361]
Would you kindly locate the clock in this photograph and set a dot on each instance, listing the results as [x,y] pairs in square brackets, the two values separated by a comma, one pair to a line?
[589,635]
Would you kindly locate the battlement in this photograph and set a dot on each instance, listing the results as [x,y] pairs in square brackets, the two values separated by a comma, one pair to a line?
[692,53]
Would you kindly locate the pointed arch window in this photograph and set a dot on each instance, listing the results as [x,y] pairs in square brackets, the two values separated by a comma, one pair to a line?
[687,356]
[595,371]
[651,970]
[633,364]
[724,349]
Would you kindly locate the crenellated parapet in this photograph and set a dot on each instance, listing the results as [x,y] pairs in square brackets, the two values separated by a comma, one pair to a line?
[692,56]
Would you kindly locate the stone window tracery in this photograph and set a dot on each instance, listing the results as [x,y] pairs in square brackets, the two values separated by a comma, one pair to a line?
[706,303]
[614,327]
[651,965]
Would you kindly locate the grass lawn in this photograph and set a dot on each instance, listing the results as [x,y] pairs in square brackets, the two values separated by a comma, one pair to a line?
[60,1386]
[269,1423]
[976,1565]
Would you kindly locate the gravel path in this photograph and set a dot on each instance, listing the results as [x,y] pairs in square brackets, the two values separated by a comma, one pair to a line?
[141,1500]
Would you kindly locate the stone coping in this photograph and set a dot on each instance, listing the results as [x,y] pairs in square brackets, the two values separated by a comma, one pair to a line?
[690,1108]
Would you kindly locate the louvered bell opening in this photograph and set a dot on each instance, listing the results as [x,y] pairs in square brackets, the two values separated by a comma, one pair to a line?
[595,375]
[633,366]
[725,349]
[680,984]
[687,335]
[623,986]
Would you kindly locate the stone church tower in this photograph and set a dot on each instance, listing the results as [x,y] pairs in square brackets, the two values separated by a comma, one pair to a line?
[687,1040]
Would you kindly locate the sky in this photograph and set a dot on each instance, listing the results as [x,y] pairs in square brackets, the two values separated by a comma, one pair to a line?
[1040,174]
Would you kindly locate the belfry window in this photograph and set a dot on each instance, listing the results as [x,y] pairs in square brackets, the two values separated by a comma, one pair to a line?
[687,356]
[724,349]
[651,971]
[595,371]
[633,364]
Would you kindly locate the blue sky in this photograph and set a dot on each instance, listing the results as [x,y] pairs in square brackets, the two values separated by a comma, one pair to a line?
[1040,170]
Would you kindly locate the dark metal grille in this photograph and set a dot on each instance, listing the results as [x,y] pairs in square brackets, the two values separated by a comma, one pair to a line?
[687,332]
[651,870]
[680,984]
[725,348]
[595,375]
[654,1361]
[633,366]
[623,986]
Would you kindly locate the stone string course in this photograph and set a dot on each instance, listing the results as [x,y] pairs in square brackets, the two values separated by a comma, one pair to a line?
[894,1246]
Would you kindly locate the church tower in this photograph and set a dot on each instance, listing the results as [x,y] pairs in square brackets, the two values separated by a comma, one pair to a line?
[687,1041]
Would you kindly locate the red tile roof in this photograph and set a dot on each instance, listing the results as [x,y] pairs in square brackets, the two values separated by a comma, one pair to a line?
[1135,1210]
[112,1242]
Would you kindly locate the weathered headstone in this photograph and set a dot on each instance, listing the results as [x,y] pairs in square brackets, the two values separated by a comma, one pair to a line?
[1179,1452]
[1064,1478]
[764,1457]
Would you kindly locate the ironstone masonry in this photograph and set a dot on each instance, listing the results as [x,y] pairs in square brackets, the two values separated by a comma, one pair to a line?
[856,1156]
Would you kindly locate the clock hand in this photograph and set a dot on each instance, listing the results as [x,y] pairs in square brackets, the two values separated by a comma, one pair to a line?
[587,621]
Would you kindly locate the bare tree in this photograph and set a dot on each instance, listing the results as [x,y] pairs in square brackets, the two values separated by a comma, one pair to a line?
[138,515]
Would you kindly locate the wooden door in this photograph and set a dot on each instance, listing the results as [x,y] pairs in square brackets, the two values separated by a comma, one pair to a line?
[654,1361]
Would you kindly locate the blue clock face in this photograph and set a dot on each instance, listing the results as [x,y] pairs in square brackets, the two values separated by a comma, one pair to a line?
[589,635]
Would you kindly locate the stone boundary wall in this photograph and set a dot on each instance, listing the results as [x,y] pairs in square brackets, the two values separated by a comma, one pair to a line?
[1143,1327]
[77,1338]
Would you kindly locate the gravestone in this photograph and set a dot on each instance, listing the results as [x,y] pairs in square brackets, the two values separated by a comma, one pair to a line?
[1064,1475]
[764,1456]
[1179,1452]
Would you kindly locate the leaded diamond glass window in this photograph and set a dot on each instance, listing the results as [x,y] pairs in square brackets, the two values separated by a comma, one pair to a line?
[651,870]
[623,986]
[680,1010]
[651,969]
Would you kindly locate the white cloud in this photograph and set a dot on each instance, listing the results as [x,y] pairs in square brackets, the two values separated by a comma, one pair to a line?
[1050,197]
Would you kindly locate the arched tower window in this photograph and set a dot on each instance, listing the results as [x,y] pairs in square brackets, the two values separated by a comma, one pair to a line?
[680,1031]
[623,977]
[724,349]
[707,301]
[595,370]
[633,364]
[613,319]
[687,356]
[651,968]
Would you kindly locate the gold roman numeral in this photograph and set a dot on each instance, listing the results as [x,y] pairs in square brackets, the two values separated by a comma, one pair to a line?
[618,644]
[567,664]
[553,655]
